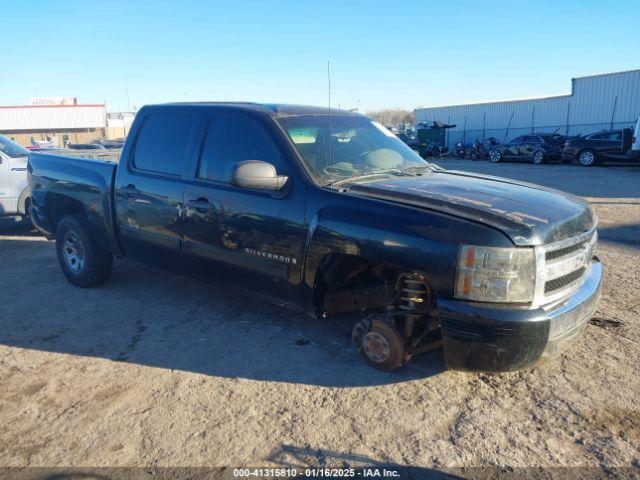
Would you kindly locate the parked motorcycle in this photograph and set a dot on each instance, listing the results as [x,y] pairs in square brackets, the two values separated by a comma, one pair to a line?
[433,149]
[480,150]
[460,150]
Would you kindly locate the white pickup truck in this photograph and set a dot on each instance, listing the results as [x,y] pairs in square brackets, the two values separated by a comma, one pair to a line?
[634,151]
[14,200]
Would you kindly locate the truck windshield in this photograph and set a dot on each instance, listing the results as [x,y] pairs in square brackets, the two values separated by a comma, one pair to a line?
[341,147]
[11,148]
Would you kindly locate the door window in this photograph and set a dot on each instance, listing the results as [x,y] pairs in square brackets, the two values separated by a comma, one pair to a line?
[598,136]
[517,140]
[162,144]
[233,139]
[615,136]
[11,148]
[532,140]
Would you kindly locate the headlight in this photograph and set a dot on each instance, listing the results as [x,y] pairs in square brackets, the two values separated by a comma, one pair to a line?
[492,274]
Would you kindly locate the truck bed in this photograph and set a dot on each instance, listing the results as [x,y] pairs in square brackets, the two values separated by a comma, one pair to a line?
[63,185]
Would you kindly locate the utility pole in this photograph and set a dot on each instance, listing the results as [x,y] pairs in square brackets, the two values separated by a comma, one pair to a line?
[126,90]
[533,118]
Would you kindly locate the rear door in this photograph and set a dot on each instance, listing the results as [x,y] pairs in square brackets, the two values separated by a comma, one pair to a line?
[247,237]
[149,188]
[611,146]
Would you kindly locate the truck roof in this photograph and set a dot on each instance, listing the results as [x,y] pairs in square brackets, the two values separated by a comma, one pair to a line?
[273,109]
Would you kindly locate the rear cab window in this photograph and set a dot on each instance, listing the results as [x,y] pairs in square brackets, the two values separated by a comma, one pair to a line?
[163,142]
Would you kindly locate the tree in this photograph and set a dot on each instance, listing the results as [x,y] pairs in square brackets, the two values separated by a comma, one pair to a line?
[392,116]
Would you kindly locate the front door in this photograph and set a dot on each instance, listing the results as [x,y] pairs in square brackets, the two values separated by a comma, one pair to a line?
[249,238]
[150,190]
[6,199]
[512,149]
[530,144]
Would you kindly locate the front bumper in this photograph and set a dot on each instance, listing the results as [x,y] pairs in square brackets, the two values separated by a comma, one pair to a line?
[495,338]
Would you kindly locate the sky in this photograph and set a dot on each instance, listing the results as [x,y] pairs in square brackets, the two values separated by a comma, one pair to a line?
[382,54]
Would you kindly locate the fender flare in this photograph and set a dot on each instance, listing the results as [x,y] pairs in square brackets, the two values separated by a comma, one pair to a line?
[22,201]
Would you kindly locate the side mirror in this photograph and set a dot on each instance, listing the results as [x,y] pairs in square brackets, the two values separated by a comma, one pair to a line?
[258,175]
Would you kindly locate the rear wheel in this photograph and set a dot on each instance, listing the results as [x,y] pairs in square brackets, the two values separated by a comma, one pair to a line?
[587,158]
[381,344]
[82,261]
[495,156]
[539,157]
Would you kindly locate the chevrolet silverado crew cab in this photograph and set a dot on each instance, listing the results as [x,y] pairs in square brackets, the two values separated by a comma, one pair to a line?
[328,212]
[14,199]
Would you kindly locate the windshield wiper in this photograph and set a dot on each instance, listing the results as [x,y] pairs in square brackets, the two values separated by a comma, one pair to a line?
[377,173]
[429,166]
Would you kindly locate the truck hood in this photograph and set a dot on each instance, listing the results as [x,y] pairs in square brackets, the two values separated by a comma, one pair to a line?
[528,214]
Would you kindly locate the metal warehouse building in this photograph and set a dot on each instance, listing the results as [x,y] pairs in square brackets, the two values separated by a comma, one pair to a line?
[61,123]
[598,102]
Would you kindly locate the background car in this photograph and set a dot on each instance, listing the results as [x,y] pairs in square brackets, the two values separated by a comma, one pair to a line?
[108,143]
[86,146]
[537,148]
[595,148]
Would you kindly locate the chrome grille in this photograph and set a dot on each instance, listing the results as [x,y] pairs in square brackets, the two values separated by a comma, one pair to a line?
[563,266]
[560,282]
[562,252]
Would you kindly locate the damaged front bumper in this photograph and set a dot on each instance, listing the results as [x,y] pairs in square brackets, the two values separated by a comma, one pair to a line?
[495,338]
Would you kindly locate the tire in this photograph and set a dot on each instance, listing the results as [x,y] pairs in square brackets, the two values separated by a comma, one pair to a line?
[539,157]
[83,263]
[587,158]
[495,156]
[382,346]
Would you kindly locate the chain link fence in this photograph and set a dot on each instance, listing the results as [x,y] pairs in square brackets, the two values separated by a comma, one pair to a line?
[504,135]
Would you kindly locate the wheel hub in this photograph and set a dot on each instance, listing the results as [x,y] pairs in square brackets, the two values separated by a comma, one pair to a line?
[376,347]
[586,158]
[73,252]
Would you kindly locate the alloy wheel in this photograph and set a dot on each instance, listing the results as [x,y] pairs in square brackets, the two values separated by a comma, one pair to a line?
[587,158]
[73,252]
[538,157]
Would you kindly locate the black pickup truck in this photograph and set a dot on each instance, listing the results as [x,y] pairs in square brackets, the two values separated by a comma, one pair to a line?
[328,212]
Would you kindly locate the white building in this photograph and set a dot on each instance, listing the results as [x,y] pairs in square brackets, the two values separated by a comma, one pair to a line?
[598,102]
[61,122]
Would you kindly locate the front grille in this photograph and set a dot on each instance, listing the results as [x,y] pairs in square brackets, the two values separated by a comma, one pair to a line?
[563,266]
[562,252]
[565,280]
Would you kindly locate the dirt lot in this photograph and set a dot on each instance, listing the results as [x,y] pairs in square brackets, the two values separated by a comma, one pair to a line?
[154,369]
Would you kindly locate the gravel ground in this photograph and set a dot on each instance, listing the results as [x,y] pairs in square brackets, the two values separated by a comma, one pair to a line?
[158,370]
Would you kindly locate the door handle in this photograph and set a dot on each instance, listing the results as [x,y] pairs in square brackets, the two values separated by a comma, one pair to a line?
[201,205]
[131,190]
